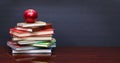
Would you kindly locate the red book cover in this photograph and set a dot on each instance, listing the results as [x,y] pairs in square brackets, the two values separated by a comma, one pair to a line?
[15,46]
[19,33]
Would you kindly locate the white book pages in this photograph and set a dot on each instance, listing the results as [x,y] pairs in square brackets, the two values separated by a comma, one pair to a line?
[37,23]
[31,38]
[32,51]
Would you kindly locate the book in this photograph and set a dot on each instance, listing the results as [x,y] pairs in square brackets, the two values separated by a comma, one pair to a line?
[44,43]
[28,29]
[34,41]
[33,29]
[16,46]
[47,35]
[28,42]
[20,33]
[37,23]
[44,51]
[31,38]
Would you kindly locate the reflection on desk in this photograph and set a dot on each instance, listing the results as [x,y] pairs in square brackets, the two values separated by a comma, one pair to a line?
[33,58]
[66,55]
[7,57]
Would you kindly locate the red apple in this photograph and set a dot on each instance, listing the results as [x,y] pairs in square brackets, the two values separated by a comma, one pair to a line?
[30,16]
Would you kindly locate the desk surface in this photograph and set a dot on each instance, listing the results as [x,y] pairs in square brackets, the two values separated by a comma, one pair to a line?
[66,55]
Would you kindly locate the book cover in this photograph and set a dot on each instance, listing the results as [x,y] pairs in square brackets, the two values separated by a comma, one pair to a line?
[37,23]
[33,29]
[44,43]
[35,41]
[16,46]
[20,33]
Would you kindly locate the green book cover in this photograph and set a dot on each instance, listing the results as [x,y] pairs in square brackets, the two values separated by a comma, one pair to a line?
[44,43]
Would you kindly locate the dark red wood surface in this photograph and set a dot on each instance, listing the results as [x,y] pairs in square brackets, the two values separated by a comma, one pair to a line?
[65,55]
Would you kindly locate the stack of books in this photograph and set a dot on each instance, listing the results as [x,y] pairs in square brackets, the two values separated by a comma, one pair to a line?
[32,38]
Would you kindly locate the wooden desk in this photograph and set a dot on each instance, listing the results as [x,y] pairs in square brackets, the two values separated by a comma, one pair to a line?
[66,55]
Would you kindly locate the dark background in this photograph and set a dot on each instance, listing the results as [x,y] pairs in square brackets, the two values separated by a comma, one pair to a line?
[76,22]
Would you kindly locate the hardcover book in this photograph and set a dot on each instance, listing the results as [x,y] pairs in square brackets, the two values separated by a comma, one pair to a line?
[37,23]
[31,38]
[20,33]
[47,51]
[35,28]
[16,46]
[35,41]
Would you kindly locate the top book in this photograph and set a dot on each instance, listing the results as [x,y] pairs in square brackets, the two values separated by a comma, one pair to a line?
[37,23]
